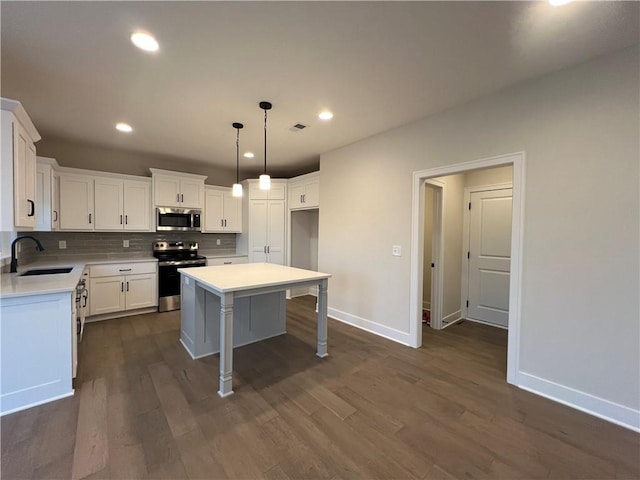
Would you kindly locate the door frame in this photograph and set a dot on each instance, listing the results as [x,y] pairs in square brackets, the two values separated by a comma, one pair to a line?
[437,236]
[466,218]
[516,159]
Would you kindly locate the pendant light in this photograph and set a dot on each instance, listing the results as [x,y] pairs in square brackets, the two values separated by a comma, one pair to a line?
[237,187]
[265,180]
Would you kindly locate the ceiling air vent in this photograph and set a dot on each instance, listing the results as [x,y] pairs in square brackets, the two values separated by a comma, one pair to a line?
[297,127]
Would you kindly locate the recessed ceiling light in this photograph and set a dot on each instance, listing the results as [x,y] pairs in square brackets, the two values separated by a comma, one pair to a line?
[326,115]
[557,3]
[124,127]
[144,41]
[248,155]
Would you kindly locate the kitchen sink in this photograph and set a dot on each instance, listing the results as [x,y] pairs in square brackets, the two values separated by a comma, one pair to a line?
[46,271]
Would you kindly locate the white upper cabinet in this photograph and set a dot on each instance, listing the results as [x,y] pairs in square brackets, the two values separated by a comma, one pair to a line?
[304,191]
[276,192]
[76,202]
[222,211]
[137,205]
[55,201]
[103,202]
[176,189]
[46,205]
[109,204]
[122,204]
[18,154]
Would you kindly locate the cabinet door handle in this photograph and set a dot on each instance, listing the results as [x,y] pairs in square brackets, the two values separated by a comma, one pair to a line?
[120,219]
[225,222]
[268,249]
[221,222]
[126,219]
[178,197]
[228,263]
[32,208]
[182,198]
[125,269]
[127,286]
[55,219]
[122,286]
[89,218]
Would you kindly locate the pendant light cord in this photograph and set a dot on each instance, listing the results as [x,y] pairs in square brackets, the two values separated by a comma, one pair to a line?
[265,142]
[237,155]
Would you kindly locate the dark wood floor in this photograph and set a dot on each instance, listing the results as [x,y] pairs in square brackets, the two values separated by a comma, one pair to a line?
[372,409]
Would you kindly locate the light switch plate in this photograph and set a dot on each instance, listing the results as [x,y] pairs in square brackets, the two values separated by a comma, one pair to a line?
[217,241]
[62,244]
[125,243]
[396,250]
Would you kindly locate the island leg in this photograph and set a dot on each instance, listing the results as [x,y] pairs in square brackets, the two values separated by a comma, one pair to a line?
[226,344]
[322,318]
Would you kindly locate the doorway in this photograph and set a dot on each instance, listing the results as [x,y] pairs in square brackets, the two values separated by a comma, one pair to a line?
[417,249]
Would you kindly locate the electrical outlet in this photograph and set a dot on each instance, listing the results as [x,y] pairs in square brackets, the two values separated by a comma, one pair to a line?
[396,251]
[62,244]
[217,241]
[125,243]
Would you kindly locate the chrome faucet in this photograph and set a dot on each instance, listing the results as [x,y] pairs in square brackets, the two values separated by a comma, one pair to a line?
[14,259]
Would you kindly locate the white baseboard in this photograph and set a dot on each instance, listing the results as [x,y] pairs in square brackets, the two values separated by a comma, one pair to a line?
[487,323]
[585,402]
[452,317]
[302,292]
[369,326]
[426,306]
[121,314]
[40,402]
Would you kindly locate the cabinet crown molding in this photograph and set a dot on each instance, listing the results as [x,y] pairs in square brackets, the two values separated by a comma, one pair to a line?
[157,171]
[21,115]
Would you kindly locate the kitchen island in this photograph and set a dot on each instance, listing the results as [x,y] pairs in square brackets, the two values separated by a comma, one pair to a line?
[232,305]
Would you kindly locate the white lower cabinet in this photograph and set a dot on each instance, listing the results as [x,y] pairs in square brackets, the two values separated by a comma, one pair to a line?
[141,291]
[121,287]
[107,295]
[212,261]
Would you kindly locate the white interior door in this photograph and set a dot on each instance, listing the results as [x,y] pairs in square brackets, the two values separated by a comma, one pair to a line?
[490,256]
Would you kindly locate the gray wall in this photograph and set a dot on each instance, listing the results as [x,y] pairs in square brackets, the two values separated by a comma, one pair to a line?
[580,306]
[78,155]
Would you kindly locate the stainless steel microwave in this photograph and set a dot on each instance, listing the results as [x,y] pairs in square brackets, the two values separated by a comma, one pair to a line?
[178,219]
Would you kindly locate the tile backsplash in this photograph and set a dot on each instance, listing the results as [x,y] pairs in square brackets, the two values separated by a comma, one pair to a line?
[110,244]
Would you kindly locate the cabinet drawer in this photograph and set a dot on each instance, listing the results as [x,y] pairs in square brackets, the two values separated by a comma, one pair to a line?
[226,260]
[122,269]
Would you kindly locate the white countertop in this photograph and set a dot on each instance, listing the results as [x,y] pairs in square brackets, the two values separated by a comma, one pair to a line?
[246,276]
[13,285]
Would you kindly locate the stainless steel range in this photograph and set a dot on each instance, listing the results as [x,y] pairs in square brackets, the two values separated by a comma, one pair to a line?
[172,256]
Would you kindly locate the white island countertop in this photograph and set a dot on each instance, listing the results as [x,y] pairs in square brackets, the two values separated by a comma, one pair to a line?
[247,276]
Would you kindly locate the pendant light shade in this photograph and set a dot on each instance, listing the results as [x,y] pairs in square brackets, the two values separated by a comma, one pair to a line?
[236,190]
[265,179]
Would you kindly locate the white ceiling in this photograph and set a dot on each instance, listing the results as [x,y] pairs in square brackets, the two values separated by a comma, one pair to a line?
[376,65]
